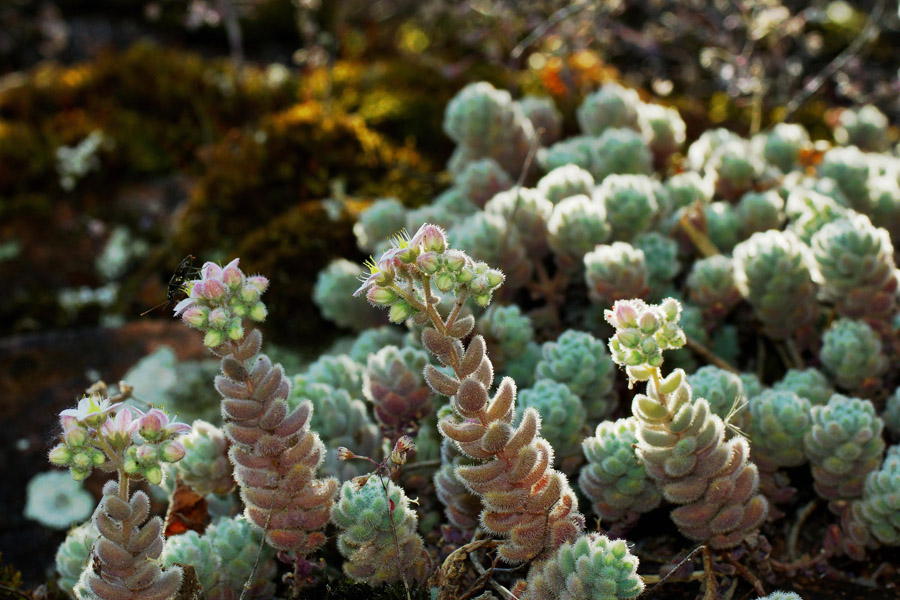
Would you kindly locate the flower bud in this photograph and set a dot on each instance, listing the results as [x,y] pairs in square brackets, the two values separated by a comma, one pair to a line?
[154,474]
[79,474]
[465,275]
[146,454]
[218,318]
[232,276]
[494,277]
[671,309]
[626,314]
[479,285]
[455,260]
[249,293]
[259,282]
[75,437]
[198,290]
[345,453]
[60,455]
[648,322]
[445,282]
[239,309]
[629,338]
[483,299]
[407,255]
[432,238]
[195,316]
[381,296]
[171,451]
[258,312]
[214,289]
[400,311]
[429,262]
[213,338]
[98,458]
[236,331]
[82,460]
[131,466]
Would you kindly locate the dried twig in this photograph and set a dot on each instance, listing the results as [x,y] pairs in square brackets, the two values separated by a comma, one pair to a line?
[709,356]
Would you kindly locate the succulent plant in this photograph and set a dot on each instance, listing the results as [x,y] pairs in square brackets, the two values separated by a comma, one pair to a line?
[614,478]
[445,211]
[808,383]
[850,170]
[205,466]
[616,151]
[563,419]
[712,287]
[614,271]
[723,391]
[340,421]
[564,182]
[687,188]
[856,260]
[377,223]
[775,272]
[74,555]
[809,211]
[609,107]
[575,228]
[683,448]
[378,536]
[760,212]
[544,117]
[592,566]
[735,167]
[701,150]
[865,127]
[480,181]
[753,387]
[852,353]
[782,596]
[661,258]
[631,204]
[526,210]
[370,341]
[582,363]
[224,558]
[507,332]
[879,508]
[780,421]
[723,225]
[662,128]
[488,124]
[394,384]
[127,549]
[333,294]
[844,445]
[56,500]
[340,372]
[783,145]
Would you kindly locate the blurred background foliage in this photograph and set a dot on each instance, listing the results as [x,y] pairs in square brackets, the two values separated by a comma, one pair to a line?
[134,133]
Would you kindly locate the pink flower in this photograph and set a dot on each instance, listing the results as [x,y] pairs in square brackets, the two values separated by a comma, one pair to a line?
[183,306]
[155,425]
[211,270]
[231,274]
[91,411]
[214,289]
[118,429]
[431,237]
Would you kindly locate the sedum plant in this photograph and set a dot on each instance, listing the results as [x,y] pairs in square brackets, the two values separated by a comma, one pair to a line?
[723,391]
[333,285]
[879,508]
[73,556]
[544,117]
[394,384]
[507,333]
[611,106]
[844,445]
[856,260]
[593,566]
[807,383]
[712,287]
[616,271]
[103,433]
[681,443]
[631,204]
[378,536]
[564,182]
[527,503]
[563,419]
[852,353]
[783,145]
[480,181]
[577,225]
[581,362]
[275,454]
[775,272]
[377,223]
[205,466]
[614,478]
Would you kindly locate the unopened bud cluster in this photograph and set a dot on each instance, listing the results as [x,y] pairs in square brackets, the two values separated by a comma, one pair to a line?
[221,300]
[99,431]
[643,331]
[425,255]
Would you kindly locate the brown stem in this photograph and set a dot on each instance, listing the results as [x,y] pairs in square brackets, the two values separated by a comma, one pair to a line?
[794,534]
[708,355]
[700,240]
[746,574]
[710,576]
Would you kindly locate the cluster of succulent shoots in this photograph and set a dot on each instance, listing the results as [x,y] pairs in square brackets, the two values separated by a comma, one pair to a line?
[760,271]
[104,433]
